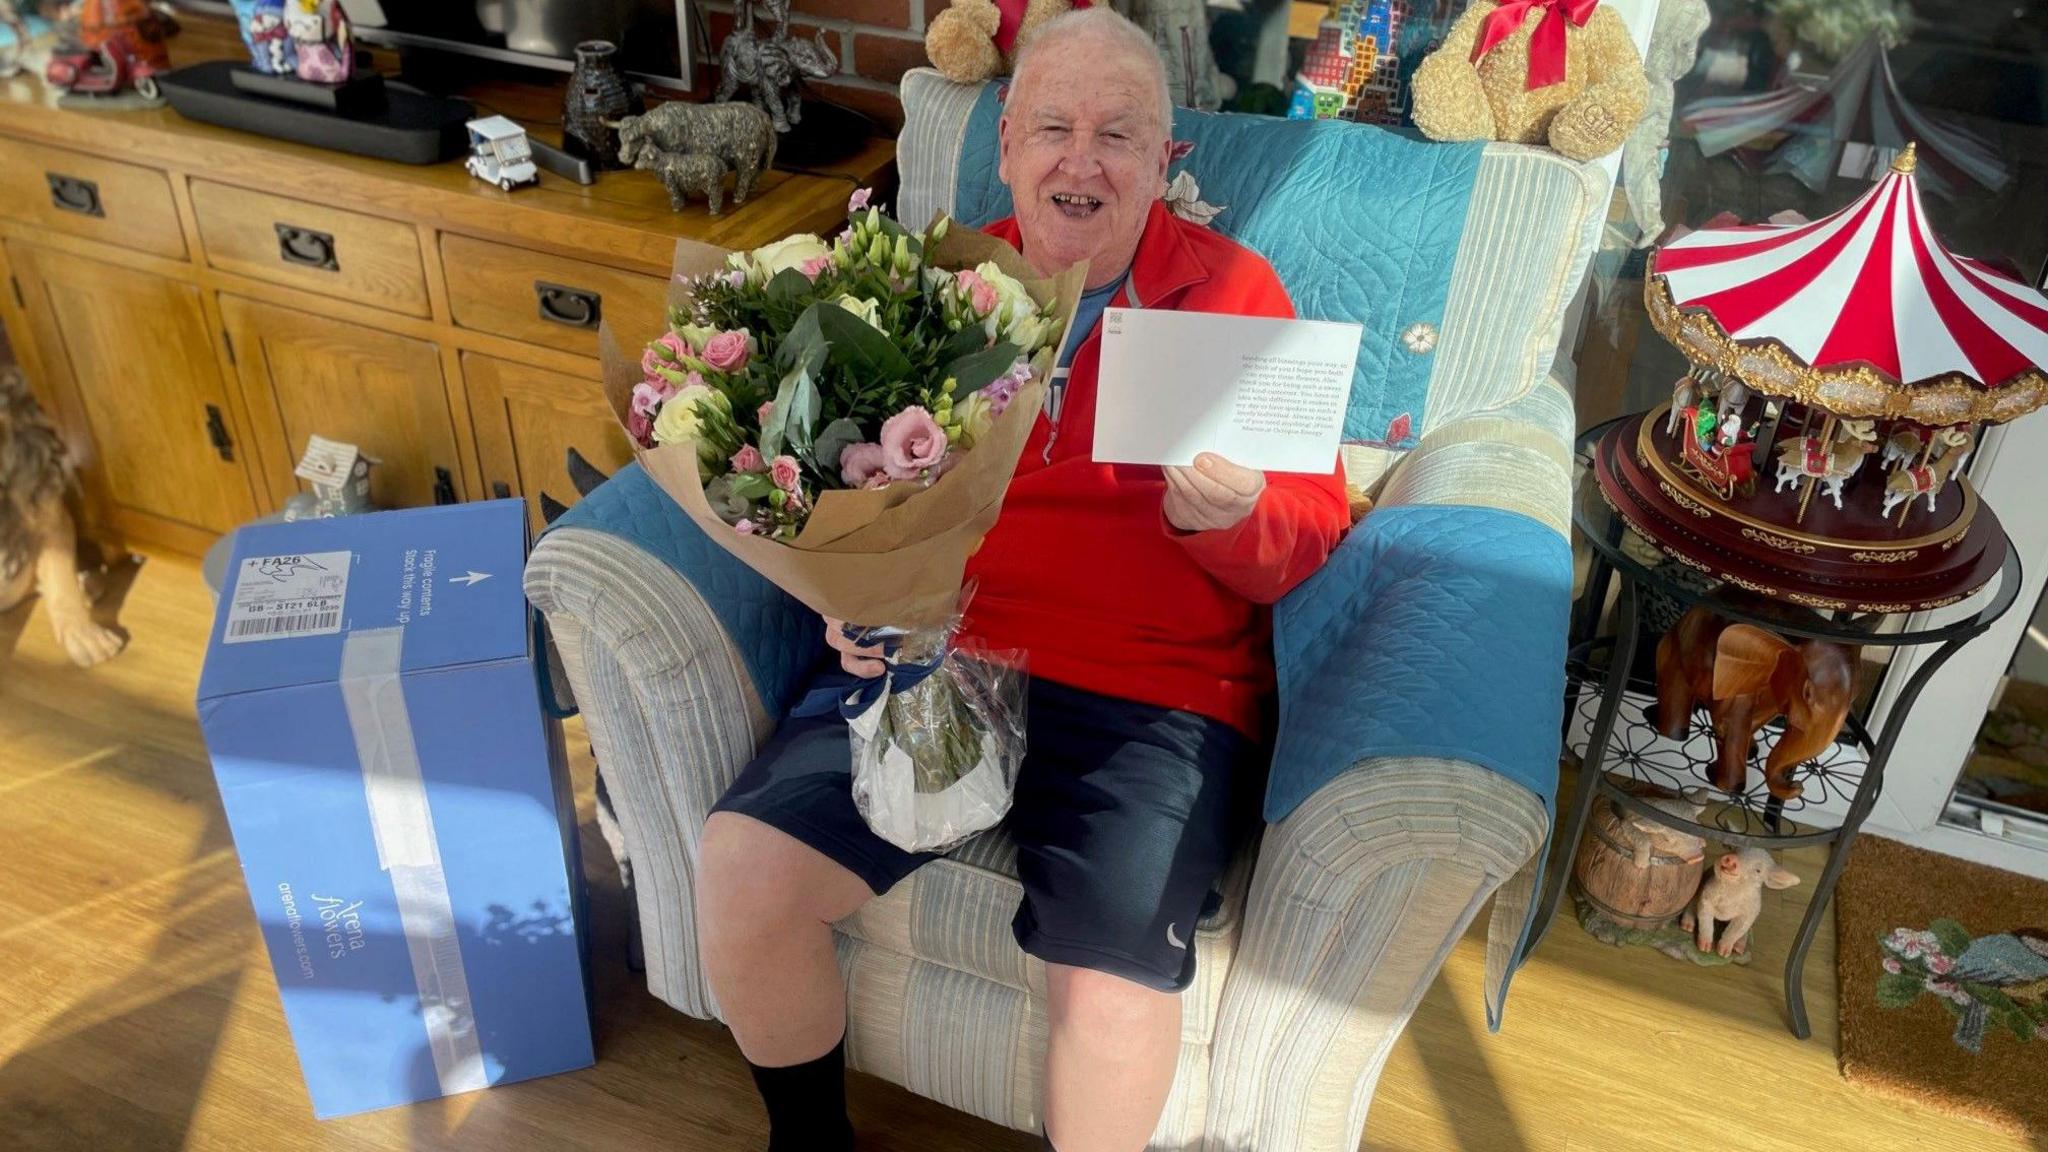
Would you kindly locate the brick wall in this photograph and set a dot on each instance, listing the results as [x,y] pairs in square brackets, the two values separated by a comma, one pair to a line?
[876,42]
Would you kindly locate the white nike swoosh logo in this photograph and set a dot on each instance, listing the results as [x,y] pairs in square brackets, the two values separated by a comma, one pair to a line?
[1174,939]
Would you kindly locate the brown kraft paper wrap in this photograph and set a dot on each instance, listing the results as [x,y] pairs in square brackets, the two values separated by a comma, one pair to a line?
[891,556]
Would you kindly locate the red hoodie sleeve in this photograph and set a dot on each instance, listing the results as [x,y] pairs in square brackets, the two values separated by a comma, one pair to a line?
[1298,519]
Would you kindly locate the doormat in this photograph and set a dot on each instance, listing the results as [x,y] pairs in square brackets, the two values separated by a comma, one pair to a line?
[1942,970]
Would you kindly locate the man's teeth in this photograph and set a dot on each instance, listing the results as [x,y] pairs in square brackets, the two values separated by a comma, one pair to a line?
[1077,201]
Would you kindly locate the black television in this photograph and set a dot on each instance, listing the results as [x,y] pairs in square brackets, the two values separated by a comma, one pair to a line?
[653,35]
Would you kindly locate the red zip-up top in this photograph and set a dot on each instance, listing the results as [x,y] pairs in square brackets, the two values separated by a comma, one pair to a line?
[1084,573]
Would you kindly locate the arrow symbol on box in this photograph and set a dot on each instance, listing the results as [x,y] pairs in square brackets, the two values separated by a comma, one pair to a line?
[470,579]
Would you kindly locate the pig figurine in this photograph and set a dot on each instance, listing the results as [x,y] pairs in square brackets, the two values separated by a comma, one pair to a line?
[1733,891]
[1646,837]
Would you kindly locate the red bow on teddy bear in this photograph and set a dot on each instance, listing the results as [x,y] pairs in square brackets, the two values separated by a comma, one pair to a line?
[1546,47]
[1012,13]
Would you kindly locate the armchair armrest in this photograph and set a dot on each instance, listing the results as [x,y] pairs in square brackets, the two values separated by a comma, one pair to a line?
[1358,897]
[1516,458]
[672,683]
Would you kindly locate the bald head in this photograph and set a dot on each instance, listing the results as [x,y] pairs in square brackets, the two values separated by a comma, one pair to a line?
[1107,40]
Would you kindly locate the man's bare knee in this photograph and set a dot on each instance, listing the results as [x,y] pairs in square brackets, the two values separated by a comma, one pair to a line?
[751,872]
[1085,998]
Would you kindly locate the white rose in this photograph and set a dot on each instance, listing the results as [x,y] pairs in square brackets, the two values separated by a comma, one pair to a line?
[867,310]
[788,253]
[678,421]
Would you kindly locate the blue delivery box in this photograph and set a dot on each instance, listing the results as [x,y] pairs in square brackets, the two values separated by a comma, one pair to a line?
[400,801]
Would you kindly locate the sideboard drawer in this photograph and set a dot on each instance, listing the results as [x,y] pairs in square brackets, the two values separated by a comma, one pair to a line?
[549,300]
[105,200]
[365,259]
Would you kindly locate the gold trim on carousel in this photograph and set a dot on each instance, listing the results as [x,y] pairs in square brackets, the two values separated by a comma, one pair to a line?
[1759,589]
[1850,390]
[1955,539]
[1779,542]
[1884,557]
[1812,601]
[1664,470]
[1683,501]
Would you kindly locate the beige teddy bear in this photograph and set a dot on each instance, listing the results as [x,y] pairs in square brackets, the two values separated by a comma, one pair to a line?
[976,39]
[1561,72]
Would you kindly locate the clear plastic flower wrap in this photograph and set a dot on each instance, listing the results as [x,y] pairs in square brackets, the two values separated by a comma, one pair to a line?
[938,738]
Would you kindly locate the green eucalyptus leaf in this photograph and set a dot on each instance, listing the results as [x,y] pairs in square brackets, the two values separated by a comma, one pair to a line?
[750,485]
[775,433]
[788,286]
[805,405]
[833,440]
[855,346]
[805,345]
[977,371]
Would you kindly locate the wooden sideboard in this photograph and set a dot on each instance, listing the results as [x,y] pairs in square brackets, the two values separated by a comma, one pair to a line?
[191,303]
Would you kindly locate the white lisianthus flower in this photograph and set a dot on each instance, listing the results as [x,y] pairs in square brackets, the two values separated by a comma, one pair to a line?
[936,280]
[679,420]
[788,253]
[1015,317]
[864,308]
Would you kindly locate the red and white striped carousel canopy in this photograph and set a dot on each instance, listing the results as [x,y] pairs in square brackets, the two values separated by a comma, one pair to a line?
[1862,313]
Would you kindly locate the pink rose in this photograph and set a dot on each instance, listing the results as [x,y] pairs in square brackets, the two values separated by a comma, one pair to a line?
[669,342]
[727,351]
[878,480]
[747,459]
[860,463]
[815,266]
[762,413]
[650,394]
[980,293]
[911,442]
[640,426]
[858,200]
[745,527]
[784,472]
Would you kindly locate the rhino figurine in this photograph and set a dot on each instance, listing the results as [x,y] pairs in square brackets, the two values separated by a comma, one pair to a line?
[740,135]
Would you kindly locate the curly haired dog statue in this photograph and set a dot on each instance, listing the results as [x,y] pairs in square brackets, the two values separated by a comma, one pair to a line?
[38,541]
[1557,72]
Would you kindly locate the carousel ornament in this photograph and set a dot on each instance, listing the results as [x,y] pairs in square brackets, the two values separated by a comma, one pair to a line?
[1815,345]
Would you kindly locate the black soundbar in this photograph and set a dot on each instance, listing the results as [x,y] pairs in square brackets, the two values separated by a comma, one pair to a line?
[411,127]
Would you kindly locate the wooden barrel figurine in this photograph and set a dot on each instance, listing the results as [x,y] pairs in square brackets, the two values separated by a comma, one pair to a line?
[1605,873]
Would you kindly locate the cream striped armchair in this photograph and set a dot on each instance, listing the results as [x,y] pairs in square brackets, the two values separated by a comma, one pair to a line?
[1333,921]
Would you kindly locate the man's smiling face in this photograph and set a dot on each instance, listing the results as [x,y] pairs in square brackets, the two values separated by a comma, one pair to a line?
[1084,154]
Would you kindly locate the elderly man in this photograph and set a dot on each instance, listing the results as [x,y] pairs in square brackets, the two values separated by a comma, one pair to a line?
[1140,594]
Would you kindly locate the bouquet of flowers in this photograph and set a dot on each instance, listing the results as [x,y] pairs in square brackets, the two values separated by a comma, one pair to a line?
[844,417]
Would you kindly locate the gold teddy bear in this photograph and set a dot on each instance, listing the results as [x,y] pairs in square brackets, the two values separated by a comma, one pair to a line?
[1561,72]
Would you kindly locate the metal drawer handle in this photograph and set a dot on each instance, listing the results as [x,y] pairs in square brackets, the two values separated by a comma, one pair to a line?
[70,194]
[217,433]
[570,307]
[444,486]
[306,248]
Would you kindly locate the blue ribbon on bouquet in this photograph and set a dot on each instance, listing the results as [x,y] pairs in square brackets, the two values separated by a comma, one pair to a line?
[851,701]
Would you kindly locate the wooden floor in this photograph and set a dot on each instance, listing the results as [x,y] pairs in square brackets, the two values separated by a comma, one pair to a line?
[137,1010]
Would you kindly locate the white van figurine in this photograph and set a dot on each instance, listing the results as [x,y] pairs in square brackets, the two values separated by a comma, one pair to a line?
[498,153]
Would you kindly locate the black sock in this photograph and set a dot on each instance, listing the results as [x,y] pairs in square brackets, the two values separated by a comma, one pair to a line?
[807,1104]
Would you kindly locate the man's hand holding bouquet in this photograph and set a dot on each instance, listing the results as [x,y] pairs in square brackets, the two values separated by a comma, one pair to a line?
[844,418]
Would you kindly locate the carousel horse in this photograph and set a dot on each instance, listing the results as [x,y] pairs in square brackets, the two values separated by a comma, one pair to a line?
[1908,482]
[1832,464]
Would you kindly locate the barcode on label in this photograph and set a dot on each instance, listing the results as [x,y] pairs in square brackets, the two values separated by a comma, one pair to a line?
[302,623]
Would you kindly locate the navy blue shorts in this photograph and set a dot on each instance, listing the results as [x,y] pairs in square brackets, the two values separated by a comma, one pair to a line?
[1125,816]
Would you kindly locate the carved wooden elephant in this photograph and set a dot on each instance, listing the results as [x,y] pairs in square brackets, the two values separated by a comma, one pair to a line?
[1747,677]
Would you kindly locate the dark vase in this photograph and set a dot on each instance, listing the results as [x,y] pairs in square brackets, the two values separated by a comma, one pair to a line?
[597,93]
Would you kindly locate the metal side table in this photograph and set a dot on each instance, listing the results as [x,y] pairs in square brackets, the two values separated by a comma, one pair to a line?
[1623,736]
